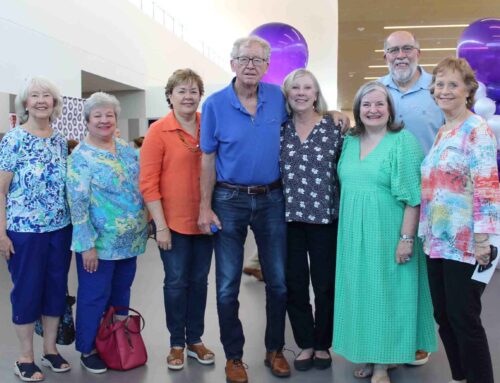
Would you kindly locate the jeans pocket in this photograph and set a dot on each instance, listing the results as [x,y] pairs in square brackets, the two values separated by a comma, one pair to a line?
[222,194]
[276,195]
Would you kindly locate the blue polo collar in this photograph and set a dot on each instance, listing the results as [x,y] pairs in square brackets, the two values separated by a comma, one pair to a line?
[235,101]
[423,82]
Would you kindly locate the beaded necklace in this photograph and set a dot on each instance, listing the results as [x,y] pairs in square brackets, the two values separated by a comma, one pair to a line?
[189,147]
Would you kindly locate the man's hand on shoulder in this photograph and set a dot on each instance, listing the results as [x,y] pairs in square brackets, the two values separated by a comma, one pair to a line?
[341,119]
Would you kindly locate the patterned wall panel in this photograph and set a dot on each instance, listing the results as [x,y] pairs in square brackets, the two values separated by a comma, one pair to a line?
[71,124]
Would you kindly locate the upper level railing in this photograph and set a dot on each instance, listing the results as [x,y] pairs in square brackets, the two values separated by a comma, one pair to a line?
[160,15]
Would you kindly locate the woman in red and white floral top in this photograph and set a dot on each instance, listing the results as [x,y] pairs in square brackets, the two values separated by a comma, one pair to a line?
[460,209]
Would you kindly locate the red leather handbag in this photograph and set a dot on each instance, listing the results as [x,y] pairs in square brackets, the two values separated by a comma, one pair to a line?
[119,342]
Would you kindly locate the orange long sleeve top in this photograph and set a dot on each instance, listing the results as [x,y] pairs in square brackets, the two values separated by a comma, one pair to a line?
[170,163]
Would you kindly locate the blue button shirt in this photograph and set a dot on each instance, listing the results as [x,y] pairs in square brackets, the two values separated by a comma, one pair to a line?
[417,108]
[247,147]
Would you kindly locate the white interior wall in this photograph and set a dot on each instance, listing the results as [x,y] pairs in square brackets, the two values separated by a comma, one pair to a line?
[111,38]
[4,111]
[156,104]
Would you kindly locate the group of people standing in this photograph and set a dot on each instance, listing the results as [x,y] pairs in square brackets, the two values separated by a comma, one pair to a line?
[354,212]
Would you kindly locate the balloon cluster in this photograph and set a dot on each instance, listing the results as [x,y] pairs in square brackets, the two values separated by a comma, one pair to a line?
[288,50]
[479,44]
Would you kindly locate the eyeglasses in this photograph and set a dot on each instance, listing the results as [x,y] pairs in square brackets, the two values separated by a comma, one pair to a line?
[406,49]
[244,60]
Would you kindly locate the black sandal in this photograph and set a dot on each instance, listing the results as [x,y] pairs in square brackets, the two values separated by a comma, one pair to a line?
[25,371]
[323,363]
[303,364]
[54,362]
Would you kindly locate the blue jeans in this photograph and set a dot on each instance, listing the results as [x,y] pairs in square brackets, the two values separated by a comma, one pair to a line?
[265,214]
[186,268]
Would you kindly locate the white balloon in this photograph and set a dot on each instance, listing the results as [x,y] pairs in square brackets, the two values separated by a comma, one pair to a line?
[480,92]
[485,107]
[494,124]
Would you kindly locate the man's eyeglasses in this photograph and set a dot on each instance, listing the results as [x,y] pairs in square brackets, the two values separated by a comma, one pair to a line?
[244,60]
[406,49]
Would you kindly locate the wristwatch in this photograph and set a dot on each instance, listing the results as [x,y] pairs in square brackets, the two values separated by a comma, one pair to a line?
[406,238]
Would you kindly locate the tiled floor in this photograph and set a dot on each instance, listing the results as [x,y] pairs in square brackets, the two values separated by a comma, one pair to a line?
[148,299]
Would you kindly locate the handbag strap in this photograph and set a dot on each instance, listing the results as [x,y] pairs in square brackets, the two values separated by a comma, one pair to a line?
[112,311]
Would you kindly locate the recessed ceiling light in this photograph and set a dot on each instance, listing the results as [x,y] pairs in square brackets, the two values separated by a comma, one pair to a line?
[426,26]
[360,29]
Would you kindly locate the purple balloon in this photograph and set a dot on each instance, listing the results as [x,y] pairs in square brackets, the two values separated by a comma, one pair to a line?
[493,92]
[479,44]
[288,50]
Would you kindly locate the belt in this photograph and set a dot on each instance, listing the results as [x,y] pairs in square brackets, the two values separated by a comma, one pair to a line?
[253,189]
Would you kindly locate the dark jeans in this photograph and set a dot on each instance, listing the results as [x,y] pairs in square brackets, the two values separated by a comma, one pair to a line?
[457,310]
[186,268]
[320,242]
[265,214]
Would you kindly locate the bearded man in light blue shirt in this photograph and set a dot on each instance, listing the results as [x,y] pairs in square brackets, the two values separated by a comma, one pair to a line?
[409,86]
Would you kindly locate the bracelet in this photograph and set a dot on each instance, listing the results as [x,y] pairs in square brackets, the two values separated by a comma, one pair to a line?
[484,240]
[162,229]
[406,238]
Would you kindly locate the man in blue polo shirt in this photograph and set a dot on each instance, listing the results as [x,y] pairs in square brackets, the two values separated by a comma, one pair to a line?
[409,87]
[241,187]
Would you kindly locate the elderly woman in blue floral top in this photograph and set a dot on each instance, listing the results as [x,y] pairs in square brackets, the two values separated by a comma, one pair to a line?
[35,231]
[109,222]
[310,147]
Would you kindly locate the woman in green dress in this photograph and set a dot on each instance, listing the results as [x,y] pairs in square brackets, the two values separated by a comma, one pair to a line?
[383,310]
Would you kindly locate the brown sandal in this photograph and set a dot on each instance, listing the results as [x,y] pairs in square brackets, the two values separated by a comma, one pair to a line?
[175,360]
[202,354]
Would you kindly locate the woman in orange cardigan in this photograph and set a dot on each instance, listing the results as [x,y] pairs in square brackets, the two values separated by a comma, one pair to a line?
[169,181]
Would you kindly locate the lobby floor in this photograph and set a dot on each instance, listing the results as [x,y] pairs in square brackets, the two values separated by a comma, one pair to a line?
[147,297]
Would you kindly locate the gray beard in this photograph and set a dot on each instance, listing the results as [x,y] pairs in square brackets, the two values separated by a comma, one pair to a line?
[405,76]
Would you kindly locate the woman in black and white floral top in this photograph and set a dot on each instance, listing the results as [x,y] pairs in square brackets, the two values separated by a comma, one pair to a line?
[310,147]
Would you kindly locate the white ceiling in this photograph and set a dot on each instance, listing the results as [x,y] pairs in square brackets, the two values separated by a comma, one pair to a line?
[93,83]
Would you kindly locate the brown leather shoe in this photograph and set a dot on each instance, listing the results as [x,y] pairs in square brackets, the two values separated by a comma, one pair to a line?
[235,371]
[257,273]
[278,364]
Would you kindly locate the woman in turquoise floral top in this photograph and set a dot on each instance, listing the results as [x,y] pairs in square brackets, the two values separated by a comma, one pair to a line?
[35,230]
[109,222]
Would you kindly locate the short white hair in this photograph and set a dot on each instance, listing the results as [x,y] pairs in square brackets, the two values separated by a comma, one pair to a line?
[249,40]
[99,100]
[22,97]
